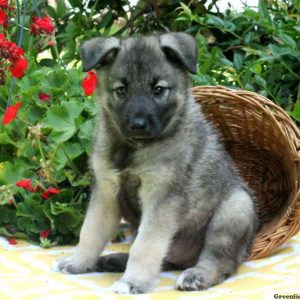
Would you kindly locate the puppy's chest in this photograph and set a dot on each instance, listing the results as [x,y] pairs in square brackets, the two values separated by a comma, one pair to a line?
[122,160]
[128,197]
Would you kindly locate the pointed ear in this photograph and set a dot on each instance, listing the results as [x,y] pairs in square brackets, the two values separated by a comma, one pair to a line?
[182,47]
[95,51]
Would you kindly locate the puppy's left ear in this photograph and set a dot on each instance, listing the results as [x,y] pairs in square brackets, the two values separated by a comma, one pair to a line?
[182,47]
[96,51]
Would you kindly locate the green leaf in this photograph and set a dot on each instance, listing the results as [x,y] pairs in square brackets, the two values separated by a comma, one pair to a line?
[61,119]
[6,140]
[90,106]
[278,51]
[73,87]
[237,61]
[216,21]
[73,150]
[17,235]
[296,111]
[35,114]
[263,12]
[83,181]
[186,9]
[249,37]
[288,40]
[107,20]
[61,8]
[260,81]
[257,68]
[25,149]
[6,214]
[30,208]
[85,135]
[10,173]
[55,81]
[66,217]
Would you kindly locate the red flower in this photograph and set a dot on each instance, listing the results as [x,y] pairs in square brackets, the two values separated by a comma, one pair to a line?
[9,50]
[42,26]
[3,3]
[11,113]
[18,69]
[51,43]
[44,96]
[44,234]
[3,19]
[89,83]
[12,242]
[50,191]
[26,185]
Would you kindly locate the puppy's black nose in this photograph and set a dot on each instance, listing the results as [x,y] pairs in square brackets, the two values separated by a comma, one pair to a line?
[138,124]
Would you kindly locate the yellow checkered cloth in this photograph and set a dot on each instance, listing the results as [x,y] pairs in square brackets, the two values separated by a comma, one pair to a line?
[25,274]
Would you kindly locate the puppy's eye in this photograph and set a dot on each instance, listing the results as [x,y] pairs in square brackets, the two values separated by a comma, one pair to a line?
[159,90]
[120,91]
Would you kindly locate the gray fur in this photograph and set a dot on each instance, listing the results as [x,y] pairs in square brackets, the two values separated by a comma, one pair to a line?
[159,164]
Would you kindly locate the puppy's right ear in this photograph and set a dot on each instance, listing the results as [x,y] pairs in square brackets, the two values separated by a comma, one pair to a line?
[95,51]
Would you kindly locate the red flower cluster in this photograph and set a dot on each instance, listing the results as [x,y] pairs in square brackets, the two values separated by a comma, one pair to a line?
[4,8]
[42,26]
[26,185]
[12,242]
[3,3]
[11,53]
[44,96]
[44,234]
[3,19]
[50,191]
[11,113]
[89,83]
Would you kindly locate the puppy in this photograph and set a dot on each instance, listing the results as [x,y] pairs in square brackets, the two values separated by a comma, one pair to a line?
[159,164]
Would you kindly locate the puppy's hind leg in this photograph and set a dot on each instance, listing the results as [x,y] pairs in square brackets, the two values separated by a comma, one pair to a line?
[227,241]
[113,263]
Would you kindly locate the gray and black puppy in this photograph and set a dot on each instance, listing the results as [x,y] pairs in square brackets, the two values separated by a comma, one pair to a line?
[159,164]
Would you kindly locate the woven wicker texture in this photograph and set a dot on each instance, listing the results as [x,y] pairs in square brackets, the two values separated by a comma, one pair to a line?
[264,142]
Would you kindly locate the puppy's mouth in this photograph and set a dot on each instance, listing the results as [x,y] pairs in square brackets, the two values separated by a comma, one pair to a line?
[141,139]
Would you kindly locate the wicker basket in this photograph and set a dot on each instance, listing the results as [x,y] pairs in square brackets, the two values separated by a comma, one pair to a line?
[265,145]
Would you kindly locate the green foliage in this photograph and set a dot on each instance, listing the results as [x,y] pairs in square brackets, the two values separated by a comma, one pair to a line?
[49,142]
[252,50]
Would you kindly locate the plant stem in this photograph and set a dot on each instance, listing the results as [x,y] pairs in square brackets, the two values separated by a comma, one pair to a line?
[23,22]
[54,152]
[47,171]
[289,69]
[70,160]
[59,59]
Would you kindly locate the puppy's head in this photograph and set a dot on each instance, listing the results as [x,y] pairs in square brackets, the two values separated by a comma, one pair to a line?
[143,81]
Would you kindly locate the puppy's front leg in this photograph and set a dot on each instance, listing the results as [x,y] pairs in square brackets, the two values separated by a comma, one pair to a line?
[148,250]
[100,223]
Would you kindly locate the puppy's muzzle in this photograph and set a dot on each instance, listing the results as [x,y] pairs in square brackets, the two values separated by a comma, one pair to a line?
[139,126]
[140,119]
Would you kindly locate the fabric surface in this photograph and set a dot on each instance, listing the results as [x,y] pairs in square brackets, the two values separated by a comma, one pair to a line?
[25,274]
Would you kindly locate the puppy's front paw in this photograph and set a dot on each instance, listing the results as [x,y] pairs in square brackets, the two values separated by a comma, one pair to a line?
[72,265]
[193,279]
[123,287]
